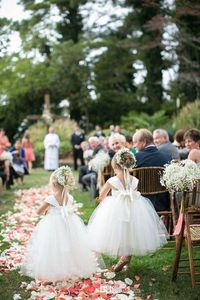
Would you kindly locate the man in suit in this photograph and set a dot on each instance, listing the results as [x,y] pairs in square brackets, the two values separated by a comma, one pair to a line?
[149,156]
[76,139]
[162,142]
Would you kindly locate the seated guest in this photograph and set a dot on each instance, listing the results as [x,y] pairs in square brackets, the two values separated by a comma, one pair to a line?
[5,158]
[162,142]
[87,151]
[105,144]
[180,143]
[129,144]
[18,163]
[4,141]
[116,142]
[192,143]
[88,177]
[149,156]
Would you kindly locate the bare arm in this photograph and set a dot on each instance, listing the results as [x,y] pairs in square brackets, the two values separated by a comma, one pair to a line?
[194,155]
[43,208]
[104,191]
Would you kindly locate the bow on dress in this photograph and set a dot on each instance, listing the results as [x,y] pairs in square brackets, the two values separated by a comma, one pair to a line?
[126,197]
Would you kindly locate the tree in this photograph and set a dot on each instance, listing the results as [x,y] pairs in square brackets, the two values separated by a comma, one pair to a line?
[144,26]
[4,35]
[187,18]
[68,78]
[23,85]
[113,82]
[40,31]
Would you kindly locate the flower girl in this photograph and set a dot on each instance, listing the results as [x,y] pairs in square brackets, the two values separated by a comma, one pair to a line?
[58,248]
[125,223]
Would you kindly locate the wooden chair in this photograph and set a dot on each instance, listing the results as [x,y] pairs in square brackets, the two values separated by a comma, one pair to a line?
[104,175]
[149,184]
[188,230]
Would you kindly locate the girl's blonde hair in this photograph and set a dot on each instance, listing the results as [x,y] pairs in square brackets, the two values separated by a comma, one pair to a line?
[64,177]
[124,159]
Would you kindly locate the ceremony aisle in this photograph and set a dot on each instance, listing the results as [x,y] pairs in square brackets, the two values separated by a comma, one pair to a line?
[149,277]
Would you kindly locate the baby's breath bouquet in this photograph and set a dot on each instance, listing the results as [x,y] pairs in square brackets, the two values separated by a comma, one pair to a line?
[180,176]
[100,161]
[64,177]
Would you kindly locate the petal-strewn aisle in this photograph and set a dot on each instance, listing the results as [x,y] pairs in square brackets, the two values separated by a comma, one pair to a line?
[16,230]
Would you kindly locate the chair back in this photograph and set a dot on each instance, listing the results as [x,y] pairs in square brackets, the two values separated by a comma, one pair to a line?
[104,175]
[108,171]
[188,230]
[149,180]
[196,194]
[191,200]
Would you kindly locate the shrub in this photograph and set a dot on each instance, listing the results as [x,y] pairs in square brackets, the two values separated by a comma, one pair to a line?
[188,116]
[135,121]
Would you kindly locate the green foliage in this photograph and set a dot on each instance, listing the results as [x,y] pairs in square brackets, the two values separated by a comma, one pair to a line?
[4,32]
[188,51]
[135,121]
[68,68]
[188,116]
[23,84]
[68,26]
[144,24]
[68,77]
[113,83]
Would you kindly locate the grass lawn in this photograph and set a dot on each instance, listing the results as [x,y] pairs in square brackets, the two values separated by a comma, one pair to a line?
[154,270]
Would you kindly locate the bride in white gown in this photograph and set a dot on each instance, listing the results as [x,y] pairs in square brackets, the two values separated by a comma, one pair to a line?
[58,248]
[125,223]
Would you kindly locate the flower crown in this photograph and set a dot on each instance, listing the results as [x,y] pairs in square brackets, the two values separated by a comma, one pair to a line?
[64,177]
[123,160]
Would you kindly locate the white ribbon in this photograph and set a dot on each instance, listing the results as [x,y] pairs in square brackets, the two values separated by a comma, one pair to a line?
[126,197]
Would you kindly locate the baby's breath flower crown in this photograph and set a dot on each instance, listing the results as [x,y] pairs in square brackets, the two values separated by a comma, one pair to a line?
[125,158]
[64,177]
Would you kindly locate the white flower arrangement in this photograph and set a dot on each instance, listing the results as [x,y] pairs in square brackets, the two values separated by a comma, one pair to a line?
[180,176]
[64,177]
[100,161]
[123,160]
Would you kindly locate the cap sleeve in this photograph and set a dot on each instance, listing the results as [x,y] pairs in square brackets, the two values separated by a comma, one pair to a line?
[51,200]
[112,181]
[134,183]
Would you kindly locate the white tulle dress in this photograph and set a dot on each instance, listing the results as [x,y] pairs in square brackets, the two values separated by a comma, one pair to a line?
[126,223]
[58,248]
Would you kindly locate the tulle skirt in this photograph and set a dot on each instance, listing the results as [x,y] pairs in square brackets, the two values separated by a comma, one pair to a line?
[120,227]
[59,250]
